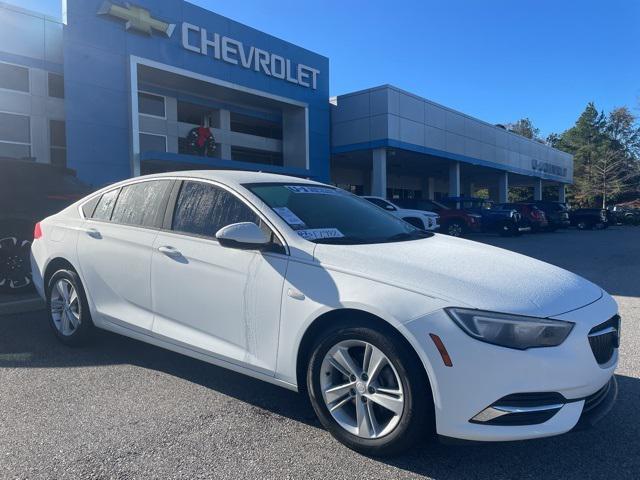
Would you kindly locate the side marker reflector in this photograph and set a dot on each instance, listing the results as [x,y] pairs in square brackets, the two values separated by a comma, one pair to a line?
[446,359]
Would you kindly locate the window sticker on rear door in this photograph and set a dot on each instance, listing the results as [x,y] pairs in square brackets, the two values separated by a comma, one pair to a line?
[317,233]
[312,189]
[289,217]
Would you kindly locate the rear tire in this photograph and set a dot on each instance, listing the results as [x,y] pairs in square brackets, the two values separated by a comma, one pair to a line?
[67,309]
[15,263]
[356,420]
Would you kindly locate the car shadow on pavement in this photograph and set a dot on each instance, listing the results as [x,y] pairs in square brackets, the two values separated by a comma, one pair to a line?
[609,450]
[31,344]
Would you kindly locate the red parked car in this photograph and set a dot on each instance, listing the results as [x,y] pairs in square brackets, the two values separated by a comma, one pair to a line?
[531,215]
[453,221]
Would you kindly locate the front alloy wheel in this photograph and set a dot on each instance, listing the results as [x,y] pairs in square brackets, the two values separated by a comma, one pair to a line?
[369,389]
[361,389]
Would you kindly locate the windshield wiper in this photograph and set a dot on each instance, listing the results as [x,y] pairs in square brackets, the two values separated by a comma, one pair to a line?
[399,237]
[341,240]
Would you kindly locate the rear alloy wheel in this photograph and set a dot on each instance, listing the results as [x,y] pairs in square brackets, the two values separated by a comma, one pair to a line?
[67,307]
[368,391]
[455,229]
[15,265]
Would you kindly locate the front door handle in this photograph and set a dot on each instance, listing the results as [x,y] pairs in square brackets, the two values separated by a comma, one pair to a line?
[170,251]
[93,233]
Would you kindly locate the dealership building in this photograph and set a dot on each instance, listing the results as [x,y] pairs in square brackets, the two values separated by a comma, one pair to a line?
[117,89]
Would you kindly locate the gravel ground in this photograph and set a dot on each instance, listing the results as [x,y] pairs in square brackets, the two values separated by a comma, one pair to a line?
[124,409]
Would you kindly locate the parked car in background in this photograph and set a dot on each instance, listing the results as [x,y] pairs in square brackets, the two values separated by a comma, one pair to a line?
[418,218]
[588,218]
[505,222]
[557,214]
[623,215]
[453,221]
[29,192]
[394,333]
[531,216]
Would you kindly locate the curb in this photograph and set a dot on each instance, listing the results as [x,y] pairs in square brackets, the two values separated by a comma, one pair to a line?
[24,305]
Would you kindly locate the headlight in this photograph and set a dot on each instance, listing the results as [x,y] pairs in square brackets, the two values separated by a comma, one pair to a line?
[511,331]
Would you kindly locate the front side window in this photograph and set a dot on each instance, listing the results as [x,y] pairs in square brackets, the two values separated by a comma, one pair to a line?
[202,209]
[324,214]
[105,206]
[141,204]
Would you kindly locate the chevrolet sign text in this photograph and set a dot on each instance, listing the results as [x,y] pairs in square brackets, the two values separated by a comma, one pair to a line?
[234,52]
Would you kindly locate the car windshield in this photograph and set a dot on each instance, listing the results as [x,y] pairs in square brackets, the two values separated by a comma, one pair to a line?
[324,214]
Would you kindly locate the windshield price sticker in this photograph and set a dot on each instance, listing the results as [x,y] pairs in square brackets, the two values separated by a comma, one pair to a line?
[311,189]
[289,217]
[317,233]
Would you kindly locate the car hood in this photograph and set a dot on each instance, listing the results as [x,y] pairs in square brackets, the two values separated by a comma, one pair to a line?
[467,274]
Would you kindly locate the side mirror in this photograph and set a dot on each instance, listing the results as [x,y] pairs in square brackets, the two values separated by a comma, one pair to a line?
[391,208]
[243,235]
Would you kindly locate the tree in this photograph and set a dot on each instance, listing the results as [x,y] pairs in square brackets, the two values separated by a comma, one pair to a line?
[524,127]
[624,132]
[609,177]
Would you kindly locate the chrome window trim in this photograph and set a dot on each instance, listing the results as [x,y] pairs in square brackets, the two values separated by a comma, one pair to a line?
[216,183]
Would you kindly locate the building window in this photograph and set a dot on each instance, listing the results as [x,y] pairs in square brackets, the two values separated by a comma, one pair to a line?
[14,77]
[250,155]
[255,126]
[15,136]
[195,114]
[150,142]
[149,104]
[58,143]
[56,85]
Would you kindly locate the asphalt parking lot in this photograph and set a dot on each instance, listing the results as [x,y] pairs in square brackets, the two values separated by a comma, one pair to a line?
[124,409]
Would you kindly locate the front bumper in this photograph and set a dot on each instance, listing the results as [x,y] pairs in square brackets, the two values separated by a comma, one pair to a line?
[482,374]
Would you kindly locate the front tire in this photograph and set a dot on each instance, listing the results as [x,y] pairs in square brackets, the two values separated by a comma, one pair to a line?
[67,308]
[368,391]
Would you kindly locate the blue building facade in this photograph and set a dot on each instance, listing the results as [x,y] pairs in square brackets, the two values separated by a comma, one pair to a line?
[112,51]
[117,89]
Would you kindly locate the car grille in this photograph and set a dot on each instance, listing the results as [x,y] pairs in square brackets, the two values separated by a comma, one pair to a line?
[604,339]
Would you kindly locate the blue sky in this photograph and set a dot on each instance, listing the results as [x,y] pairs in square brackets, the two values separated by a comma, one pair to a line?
[496,60]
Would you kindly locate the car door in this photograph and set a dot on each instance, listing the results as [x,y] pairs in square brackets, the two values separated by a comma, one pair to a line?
[114,251]
[220,300]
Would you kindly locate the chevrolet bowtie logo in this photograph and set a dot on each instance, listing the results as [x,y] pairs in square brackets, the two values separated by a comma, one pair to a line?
[137,18]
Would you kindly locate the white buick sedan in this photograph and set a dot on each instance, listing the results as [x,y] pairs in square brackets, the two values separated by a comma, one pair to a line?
[394,333]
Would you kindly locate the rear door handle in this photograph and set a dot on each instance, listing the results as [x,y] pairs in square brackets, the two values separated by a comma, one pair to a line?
[170,251]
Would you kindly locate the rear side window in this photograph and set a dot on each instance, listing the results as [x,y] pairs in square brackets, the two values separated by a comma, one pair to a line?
[105,205]
[89,207]
[202,209]
[142,204]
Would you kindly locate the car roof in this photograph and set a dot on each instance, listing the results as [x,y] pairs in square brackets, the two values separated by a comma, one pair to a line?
[232,177]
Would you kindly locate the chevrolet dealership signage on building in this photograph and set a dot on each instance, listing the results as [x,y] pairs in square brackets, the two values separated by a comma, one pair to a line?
[199,40]
[235,52]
